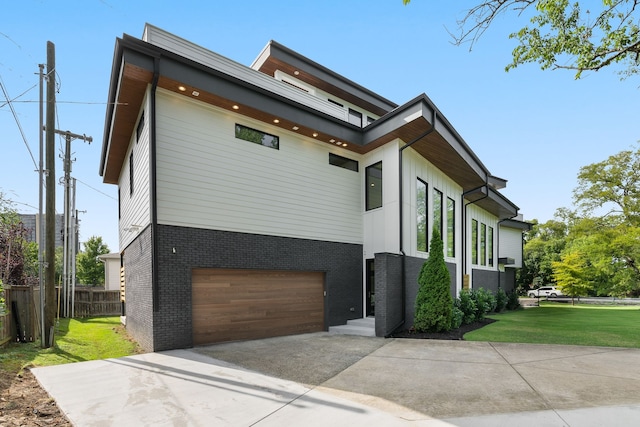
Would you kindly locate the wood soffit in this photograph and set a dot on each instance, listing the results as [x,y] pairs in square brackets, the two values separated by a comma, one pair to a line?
[134,81]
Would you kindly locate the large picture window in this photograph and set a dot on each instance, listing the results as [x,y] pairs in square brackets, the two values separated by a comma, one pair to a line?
[474,241]
[437,211]
[373,178]
[421,215]
[451,227]
[257,137]
[490,245]
[483,244]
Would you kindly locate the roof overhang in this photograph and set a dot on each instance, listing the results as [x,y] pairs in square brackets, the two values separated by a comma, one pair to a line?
[514,223]
[221,82]
[493,202]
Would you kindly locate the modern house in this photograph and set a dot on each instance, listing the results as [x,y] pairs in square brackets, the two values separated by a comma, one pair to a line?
[283,198]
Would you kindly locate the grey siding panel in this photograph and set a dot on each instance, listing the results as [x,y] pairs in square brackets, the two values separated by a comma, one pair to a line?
[388,279]
[486,279]
[201,248]
[138,279]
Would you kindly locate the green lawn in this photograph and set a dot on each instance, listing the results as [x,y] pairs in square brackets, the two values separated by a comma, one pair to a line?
[76,340]
[555,323]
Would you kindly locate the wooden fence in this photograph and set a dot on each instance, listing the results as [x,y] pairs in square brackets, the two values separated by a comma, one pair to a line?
[5,328]
[22,320]
[90,302]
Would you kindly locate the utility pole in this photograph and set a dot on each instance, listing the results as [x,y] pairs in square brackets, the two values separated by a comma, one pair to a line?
[69,248]
[50,238]
[40,216]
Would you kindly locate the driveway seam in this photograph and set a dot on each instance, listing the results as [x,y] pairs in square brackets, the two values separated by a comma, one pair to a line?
[535,390]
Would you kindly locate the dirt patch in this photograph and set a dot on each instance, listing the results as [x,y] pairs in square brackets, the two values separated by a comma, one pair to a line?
[454,334]
[24,403]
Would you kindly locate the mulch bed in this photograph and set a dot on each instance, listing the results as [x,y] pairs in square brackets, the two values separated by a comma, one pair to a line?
[454,334]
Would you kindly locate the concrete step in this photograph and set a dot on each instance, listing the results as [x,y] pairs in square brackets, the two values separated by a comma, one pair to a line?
[361,327]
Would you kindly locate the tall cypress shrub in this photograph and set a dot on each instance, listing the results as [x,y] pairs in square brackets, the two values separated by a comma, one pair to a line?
[434,305]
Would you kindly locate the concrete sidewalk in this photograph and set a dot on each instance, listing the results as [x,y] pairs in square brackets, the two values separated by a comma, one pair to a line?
[321,379]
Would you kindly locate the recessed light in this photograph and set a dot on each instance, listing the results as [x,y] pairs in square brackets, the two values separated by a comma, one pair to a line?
[182,88]
[332,140]
[315,134]
[295,128]
[195,93]
[276,121]
[344,144]
[235,107]
[296,72]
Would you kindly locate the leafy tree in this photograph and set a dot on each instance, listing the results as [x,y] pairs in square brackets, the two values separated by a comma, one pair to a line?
[12,244]
[434,305]
[543,245]
[571,274]
[562,34]
[90,270]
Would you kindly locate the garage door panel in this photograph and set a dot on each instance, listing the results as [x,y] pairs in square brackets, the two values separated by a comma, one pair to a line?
[248,304]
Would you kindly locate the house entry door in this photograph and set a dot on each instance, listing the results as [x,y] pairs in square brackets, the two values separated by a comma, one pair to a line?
[371,288]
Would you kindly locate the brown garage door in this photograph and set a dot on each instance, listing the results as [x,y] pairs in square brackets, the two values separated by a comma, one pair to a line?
[230,305]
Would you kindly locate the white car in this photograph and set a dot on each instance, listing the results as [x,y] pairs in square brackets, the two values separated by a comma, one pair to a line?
[545,291]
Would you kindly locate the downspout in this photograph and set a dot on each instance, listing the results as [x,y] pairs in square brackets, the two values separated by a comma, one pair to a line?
[401,222]
[152,187]
[464,223]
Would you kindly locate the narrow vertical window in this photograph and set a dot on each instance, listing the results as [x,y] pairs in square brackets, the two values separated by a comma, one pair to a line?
[451,227]
[437,211]
[474,241]
[373,182]
[119,207]
[131,173]
[490,245]
[140,127]
[421,214]
[483,244]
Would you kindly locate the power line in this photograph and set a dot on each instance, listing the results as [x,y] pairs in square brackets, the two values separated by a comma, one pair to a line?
[95,189]
[15,116]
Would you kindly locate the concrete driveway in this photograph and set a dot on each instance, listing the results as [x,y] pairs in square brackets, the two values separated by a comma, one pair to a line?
[322,379]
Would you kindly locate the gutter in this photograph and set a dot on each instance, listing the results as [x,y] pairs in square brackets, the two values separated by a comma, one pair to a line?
[152,187]
[401,222]
[464,223]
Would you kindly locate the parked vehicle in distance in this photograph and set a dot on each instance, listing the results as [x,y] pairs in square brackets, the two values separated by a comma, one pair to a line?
[545,291]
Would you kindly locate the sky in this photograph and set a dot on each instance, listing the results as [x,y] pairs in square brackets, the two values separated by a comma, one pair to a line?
[533,128]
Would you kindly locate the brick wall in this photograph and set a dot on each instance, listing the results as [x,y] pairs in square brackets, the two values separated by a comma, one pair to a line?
[199,248]
[139,306]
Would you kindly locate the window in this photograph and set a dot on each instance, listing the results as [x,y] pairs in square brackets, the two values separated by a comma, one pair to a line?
[370,120]
[343,162]
[483,244]
[140,127]
[421,214]
[119,207]
[490,245]
[355,117]
[437,210]
[474,241]
[131,173]
[335,102]
[451,227]
[257,137]
[373,178]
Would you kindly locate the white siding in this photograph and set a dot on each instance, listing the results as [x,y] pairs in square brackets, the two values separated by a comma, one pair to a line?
[381,229]
[207,178]
[416,166]
[483,217]
[511,245]
[135,207]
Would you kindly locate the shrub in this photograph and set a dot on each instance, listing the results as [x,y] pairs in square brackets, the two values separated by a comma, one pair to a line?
[501,300]
[467,305]
[513,303]
[434,305]
[485,302]
[456,315]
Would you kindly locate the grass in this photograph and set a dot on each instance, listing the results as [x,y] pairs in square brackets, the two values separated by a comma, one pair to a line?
[76,340]
[555,323]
